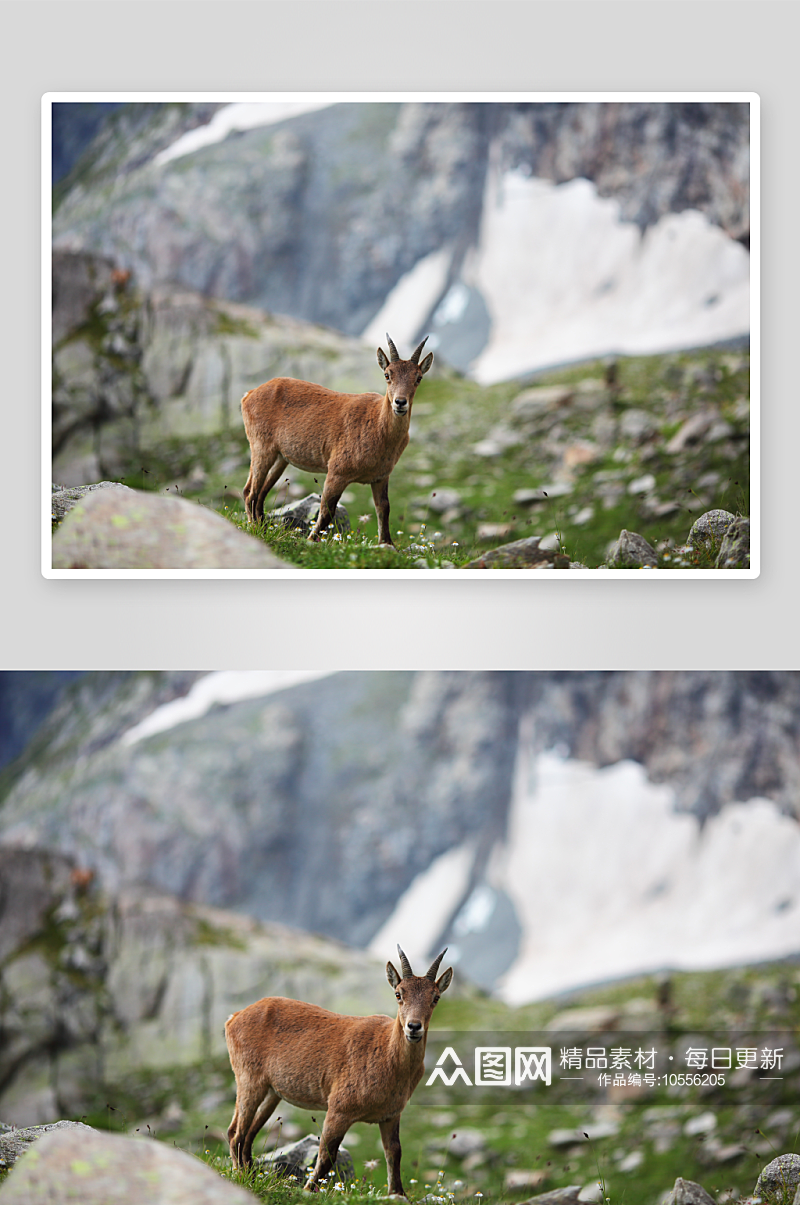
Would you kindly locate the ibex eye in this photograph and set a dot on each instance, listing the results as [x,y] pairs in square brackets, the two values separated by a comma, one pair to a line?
[386,375]
[399,997]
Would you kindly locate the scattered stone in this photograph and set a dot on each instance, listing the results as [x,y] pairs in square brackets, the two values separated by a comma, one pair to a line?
[710,528]
[494,531]
[637,425]
[129,529]
[540,399]
[520,1178]
[631,1161]
[14,1143]
[520,554]
[779,1180]
[66,496]
[443,500]
[557,1196]
[496,442]
[726,1154]
[298,1159]
[692,430]
[702,1124]
[466,1142]
[642,485]
[633,551]
[79,1163]
[581,452]
[734,552]
[586,1020]
[687,1192]
[557,489]
[303,515]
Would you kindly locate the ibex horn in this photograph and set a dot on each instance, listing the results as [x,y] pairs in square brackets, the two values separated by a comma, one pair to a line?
[392,356]
[405,965]
[434,967]
[416,354]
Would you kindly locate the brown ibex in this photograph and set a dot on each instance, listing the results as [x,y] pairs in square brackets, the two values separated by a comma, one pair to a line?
[355,1068]
[351,437]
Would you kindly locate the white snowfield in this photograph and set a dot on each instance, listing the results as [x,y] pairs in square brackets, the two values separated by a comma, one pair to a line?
[564,278]
[608,880]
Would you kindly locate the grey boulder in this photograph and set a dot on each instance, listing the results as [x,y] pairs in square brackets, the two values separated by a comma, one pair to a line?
[130,529]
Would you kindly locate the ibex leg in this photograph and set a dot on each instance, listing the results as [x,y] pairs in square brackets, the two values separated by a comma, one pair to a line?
[390,1137]
[270,480]
[331,493]
[380,496]
[333,1132]
[250,1114]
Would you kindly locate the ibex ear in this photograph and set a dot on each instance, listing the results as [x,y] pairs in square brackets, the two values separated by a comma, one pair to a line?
[383,360]
[444,981]
[426,363]
[392,975]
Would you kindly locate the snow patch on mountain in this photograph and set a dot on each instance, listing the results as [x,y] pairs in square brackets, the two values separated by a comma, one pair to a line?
[241,115]
[563,278]
[608,880]
[221,686]
[599,878]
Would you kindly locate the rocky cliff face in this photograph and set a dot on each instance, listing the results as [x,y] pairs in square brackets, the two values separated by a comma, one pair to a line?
[94,987]
[317,806]
[134,369]
[320,216]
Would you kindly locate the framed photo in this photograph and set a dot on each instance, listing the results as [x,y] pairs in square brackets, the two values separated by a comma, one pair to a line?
[321,334]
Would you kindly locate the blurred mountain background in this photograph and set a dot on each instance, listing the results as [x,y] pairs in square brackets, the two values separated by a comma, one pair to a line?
[201,248]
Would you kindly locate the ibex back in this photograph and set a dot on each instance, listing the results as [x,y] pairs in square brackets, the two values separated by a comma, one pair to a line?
[351,437]
[355,1068]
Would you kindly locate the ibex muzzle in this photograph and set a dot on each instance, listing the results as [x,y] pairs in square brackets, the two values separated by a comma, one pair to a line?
[351,437]
[355,1068]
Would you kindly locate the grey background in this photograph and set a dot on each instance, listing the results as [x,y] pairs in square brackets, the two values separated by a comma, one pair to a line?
[379,45]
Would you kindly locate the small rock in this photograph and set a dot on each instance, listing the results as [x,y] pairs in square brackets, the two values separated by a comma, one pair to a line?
[494,531]
[556,489]
[642,485]
[734,551]
[637,425]
[130,529]
[443,500]
[779,1180]
[631,1161]
[521,1178]
[687,1192]
[592,1191]
[568,1195]
[558,1196]
[710,528]
[65,497]
[632,551]
[80,1164]
[520,554]
[467,1141]
[298,1159]
[14,1143]
[691,431]
[540,399]
[702,1124]
[303,515]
